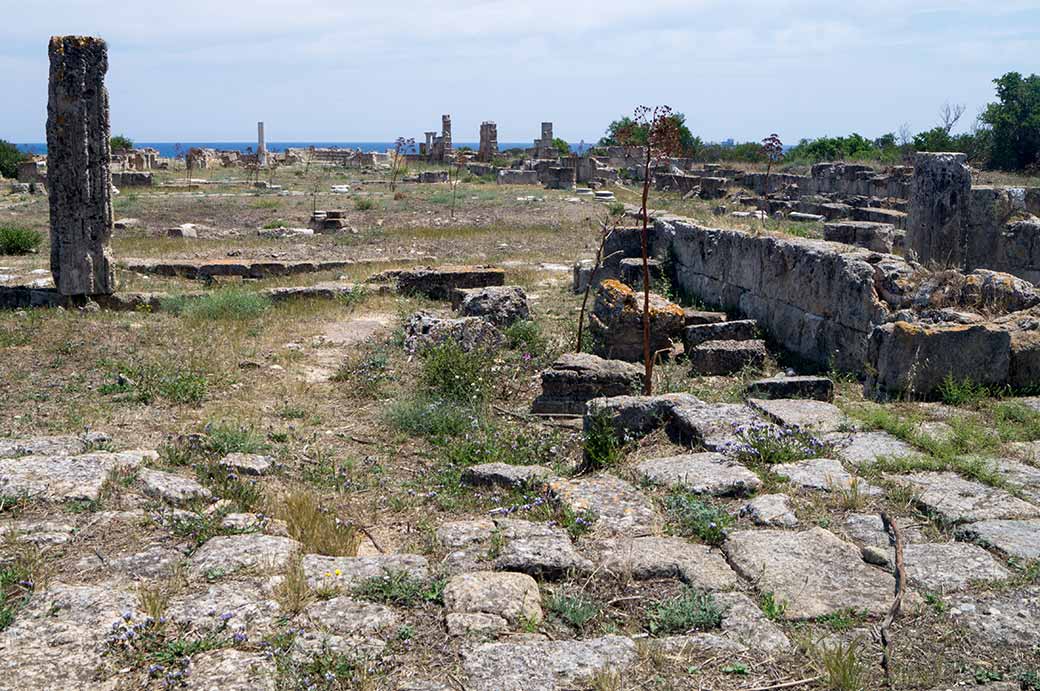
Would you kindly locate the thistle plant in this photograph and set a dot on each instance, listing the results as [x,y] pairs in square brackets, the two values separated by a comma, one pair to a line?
[656,132]
[773,150]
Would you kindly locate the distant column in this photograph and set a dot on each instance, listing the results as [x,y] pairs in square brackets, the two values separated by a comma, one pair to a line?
[488,142]
[78,178]
[446,134]
[937,217]
[261,145]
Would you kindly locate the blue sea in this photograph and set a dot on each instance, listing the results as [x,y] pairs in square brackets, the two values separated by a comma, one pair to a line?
[171,149]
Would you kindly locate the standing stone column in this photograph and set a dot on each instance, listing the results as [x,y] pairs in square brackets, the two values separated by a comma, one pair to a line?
[78,178]
[261,145]
[937,220]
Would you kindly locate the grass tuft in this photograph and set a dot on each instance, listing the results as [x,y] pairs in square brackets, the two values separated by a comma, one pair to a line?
[19,240]
[692,610]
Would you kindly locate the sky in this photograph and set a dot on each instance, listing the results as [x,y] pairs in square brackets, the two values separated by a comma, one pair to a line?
[352,70]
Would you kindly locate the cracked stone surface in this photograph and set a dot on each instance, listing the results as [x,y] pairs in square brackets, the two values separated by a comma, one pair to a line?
[710,425]
[744,622]
[228,554]
[512,596]
[155,561]
[945,567]
[1009,618]
[956,500]
[544,665]
[228,606]
[1014,538]
[665,557]
[64,478]
[475,623]
[864,448]
[42,446]
[505,475]
[172,488]
[67,623]
[813,571]
[619,508]
[459,534]
[824,474]
[808,415]
[347,617]
[232,670]
[248,463]
[538,549]
[38,532]
[321,570]
[701,473]
[771,510]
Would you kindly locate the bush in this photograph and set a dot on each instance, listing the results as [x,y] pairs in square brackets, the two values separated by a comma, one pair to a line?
[452,374]
[431,418]
[226,304]
[694,516]
[229,437]
[121,143]
[19,240]
[148,382]
[768,444]
[526,336]
[602,448]
[10,157]
[690,611]
[362,204]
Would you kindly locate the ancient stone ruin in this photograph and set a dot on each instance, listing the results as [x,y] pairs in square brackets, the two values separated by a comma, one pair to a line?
[437,148]
[543,147]
[488,142]
[78,167]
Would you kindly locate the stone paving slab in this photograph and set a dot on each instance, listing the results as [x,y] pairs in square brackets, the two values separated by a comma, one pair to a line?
[235,606]
[1009,618]
[811,416]
[345,616]
[513,596]
[864,448]
[349,572]
[232,670]
[710,425]
[946,567]
[701,473]
[645,558]
[545,665]
[538,549]
[824,474]
[619,508]
[172,488]
[505,475]
[225,555]
[64,478]
[957,500]
[771,510]
[1014,538]
[814,572]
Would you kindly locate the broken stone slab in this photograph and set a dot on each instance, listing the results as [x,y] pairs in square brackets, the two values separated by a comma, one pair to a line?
[953,499]
[65,478]
[37,532]
[440,283]
[771,510]
[701,473]
[500,305]
[42,446]
[154,561]
[225,555]
[616,322]
[868,531]
[692,317]
[825,474]
[172,488]
[67,623]
[349,572]
[945,567]
[424,330]
[1010,618]
[1019,539]
[805,387]
[344,616]
[232,670]
[877,237]
[636,416]
[538,549]
[505,475]
[576,378]
[513,596]
[545,665]
[806,218]
[744,622]
[236,606]
[248,463]
[712,426]
[737,330]
[475,623]
[814,572]
[645,558]
[722,358]
[617,506]
[1026,478]
[863,449]
[807,415]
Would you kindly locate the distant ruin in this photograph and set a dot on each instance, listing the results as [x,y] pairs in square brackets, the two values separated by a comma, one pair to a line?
[488,142]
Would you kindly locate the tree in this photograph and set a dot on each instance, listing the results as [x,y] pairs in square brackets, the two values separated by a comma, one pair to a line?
[773,150]
[657,132]
[10,157]
[562,146]
[1015,122]
[636,133]
[121,143]
[398,159]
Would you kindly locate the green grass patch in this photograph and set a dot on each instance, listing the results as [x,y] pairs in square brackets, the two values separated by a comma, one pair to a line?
[363,204]
[146,383]
[401,589]
[225,304]
[271,225]
[577,610]
[692,610]
[692,516]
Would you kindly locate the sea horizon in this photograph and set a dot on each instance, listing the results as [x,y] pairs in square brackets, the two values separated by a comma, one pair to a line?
[172,149]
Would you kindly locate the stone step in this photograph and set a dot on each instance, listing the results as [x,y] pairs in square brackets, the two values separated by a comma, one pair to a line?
[807,387]
[720,358]
[576,378]
[737,330]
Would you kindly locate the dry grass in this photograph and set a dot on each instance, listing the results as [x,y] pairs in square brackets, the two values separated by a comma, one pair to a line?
[319,530]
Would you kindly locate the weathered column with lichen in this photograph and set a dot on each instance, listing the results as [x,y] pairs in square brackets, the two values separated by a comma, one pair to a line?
[78,178]
[938,215]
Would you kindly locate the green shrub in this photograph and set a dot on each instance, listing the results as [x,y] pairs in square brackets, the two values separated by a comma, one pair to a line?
[431,418]
[19,240]
[148,382]
[962,392]
[526,336]
[694,516]
[602,448]
[225,437]
[764,443]
[363,204]
[10,157]
[276,223]
[402,589]
[576,610]
[692,610]
[452,374]
[226,304]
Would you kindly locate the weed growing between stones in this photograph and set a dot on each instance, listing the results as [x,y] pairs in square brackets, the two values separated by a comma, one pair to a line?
[578,610]
[244,494]
[963,392]
[224,437]
[367,374]
[23,573]
[324,669]
[402,589]
[691,610]
[449,373]
[766,444]
[602,448]
[771,606]
[691,515]
[293,593]
[319,530]
[840,665]
[527,338]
